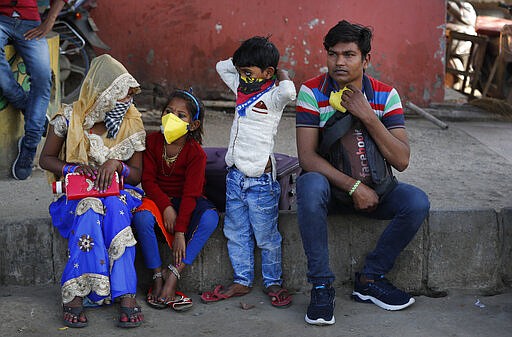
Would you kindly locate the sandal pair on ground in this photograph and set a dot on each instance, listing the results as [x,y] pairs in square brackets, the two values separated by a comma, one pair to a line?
[180,303]
[128,317]
[279,297]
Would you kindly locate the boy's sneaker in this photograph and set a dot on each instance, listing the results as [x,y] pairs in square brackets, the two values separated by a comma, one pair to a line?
[382,293]
[321,307]
[22,166]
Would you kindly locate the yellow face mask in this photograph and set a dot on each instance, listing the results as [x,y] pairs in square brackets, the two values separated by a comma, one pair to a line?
[335,99]
[173,127]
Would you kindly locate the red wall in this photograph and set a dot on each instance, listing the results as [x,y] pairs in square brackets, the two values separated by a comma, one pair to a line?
[177,43]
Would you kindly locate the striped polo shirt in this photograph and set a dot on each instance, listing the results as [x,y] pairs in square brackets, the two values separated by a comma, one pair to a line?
[313,108]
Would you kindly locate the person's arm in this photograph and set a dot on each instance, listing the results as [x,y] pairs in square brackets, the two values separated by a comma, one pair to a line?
[49,158]
[192,188]
[150,185]
[47,25]
[364,197]
[228,73]
[393,144]
[285,92]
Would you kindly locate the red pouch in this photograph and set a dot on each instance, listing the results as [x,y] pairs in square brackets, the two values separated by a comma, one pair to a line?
[77,186]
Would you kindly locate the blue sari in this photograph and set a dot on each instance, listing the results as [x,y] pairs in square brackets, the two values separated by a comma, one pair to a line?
[101,245]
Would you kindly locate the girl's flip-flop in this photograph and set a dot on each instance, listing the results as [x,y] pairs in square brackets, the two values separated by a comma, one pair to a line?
[154,304]
[184,304]
[216,295]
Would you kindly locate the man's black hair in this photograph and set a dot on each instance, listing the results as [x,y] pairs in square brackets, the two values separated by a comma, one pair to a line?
[347,32]
[257,51]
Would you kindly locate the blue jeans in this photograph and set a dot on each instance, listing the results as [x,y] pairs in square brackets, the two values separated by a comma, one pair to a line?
[406,206]
[251,215]
[36,58]
[202,225]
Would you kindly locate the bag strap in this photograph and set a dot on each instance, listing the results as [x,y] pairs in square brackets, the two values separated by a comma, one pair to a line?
[335,128]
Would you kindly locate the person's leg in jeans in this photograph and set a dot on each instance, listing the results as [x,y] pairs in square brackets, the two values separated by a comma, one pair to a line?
[238,231]
[313,199]
[9,87]
[144,223]
[36,57]
[202,224]
[263,201]
[407,207]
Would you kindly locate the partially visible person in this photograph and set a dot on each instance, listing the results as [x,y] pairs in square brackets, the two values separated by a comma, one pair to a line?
[461,17]
[20,24]
[173,180]
[350,132]
[252,191]
[98,135]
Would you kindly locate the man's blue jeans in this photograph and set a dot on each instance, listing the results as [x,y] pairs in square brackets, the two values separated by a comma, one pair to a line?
[406,206]
[251,215]
[36,58]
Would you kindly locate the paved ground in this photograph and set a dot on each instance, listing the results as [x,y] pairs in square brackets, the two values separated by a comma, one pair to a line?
[36,312]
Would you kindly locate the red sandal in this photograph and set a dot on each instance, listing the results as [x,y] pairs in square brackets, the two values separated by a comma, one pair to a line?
[280,298]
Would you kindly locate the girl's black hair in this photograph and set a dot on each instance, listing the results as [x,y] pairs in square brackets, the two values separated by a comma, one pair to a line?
[347,32]
[195,108]
[257,51]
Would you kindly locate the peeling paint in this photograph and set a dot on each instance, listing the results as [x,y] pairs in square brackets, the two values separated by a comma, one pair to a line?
[313,23]
[150,57]
[323,70]
[306,61]
[218,27]
[426,95]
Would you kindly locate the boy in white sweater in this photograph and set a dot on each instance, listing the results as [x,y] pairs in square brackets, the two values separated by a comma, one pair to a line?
[252,197]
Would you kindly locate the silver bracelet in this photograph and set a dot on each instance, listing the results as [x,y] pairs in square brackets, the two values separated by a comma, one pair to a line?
[174,271]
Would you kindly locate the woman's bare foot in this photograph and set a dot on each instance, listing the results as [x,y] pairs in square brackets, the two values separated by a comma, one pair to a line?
[131,313]
[235,289]
[73,313]
[168,293]
[156,289]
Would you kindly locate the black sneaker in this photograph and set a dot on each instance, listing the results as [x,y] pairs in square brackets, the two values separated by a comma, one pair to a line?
[382,293]
[321,307]
[22,166]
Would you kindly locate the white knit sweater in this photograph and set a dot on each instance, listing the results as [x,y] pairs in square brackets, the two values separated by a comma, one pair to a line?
[251,142]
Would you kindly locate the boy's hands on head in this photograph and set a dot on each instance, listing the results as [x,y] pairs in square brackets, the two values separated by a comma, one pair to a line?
[169,219]
[282,75]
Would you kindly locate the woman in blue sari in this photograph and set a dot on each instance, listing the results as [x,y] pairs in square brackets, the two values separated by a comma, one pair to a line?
[98,135]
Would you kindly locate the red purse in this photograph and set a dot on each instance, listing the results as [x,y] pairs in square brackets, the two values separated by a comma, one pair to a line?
[77,186]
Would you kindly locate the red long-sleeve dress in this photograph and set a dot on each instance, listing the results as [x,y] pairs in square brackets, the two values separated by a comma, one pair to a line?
[184,179]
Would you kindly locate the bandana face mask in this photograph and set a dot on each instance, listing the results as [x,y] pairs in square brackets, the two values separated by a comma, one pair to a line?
[249,85]
[173,127]
[114,117]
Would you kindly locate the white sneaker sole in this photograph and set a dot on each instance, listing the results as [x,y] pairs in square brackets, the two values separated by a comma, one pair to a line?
[377,302]
[16,160]
[320,321]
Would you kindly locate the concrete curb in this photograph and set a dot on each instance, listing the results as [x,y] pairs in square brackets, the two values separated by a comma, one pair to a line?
[464,249]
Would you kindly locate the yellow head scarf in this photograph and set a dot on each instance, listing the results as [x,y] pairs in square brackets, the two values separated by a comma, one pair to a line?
[106,82]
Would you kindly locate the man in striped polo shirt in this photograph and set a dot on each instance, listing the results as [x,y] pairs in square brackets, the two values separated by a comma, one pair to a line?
[353,172]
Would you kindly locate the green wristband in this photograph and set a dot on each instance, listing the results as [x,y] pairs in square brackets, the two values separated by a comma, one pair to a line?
[353,189]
